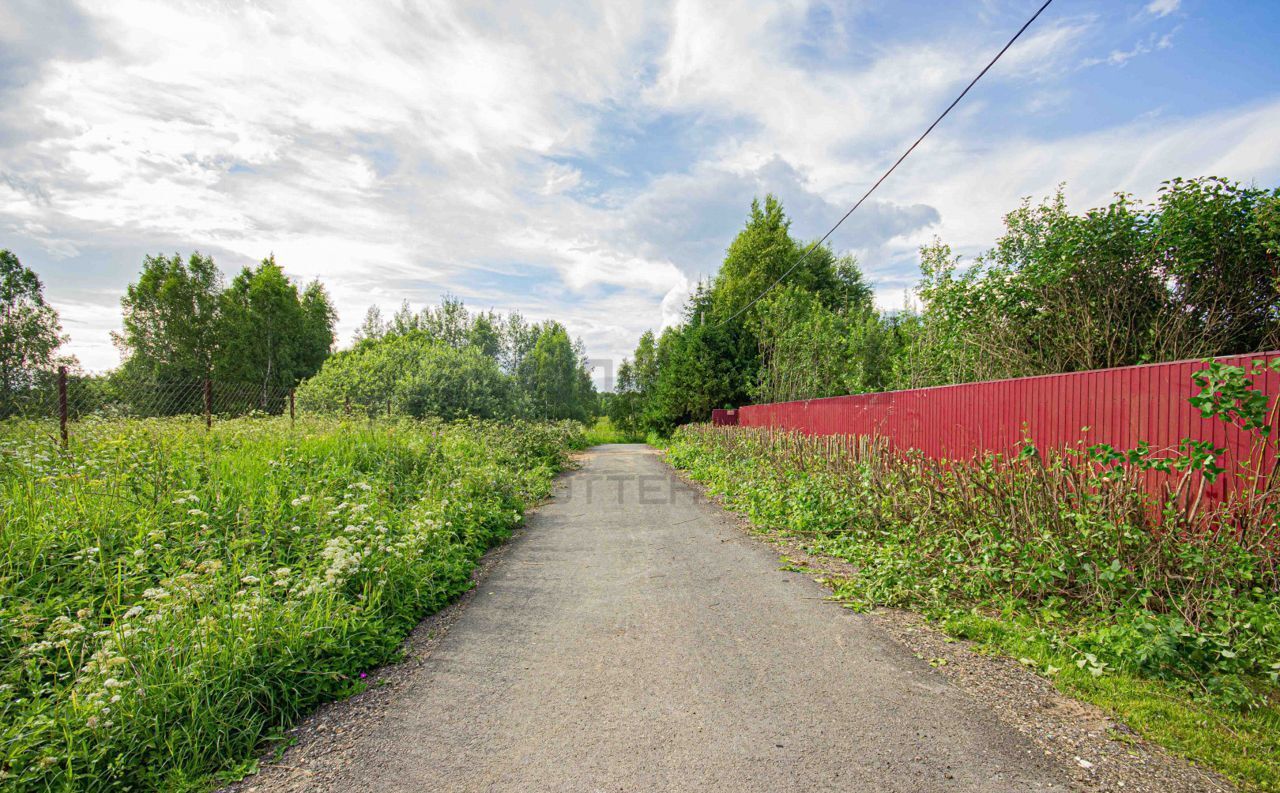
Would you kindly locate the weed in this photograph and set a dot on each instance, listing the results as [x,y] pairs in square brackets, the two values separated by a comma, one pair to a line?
[171,597]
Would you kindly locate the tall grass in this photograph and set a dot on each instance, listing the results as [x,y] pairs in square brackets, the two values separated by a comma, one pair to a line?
[171,596]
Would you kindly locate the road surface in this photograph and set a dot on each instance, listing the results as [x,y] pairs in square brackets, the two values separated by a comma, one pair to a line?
[632,638]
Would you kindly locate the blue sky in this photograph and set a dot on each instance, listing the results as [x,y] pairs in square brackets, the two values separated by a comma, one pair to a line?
[586,161]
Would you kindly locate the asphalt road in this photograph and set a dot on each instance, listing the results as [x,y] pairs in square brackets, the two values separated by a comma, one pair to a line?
[633,638]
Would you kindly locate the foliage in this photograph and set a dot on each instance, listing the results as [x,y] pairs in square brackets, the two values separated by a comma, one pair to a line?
[448,363]
[182,326]
[1065,551]
[554,378]
[171,320]
[171,597]
[604,431]
[269,335]
[1193,275]
[761,254]
[810,351]
[30,332]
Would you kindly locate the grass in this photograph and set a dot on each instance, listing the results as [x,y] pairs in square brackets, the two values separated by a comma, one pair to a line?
[171,598]
[603,431]
[1241,744]
[1172,626]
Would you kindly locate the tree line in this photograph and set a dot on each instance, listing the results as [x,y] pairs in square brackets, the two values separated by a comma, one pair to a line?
[1191,275]
[447,361]
[261,335]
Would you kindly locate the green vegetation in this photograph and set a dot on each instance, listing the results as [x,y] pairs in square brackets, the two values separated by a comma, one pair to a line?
[29,333]
[603,431]
[181,326]
[1193,275]
[171,597]
[449,363]
[1167,613]
[253,341]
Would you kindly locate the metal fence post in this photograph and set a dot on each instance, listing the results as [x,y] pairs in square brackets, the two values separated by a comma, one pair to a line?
[346,406]
[208,404]
[292,415]
[62,404]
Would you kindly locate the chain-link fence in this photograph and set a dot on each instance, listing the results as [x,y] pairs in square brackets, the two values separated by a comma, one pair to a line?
[66,397]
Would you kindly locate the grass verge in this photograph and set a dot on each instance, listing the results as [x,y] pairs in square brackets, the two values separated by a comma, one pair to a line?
[172,597]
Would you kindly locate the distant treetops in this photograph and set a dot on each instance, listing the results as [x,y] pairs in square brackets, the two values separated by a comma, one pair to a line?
[181,325]
[30,333]
[1193,275]
[448,362]
[262,334]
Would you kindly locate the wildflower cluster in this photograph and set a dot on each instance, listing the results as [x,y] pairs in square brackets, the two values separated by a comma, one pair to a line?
[171,596]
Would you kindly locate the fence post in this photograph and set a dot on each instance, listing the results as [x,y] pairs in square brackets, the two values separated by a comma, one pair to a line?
[346,406]
[208,404]
[62,404]
[388,407]
[292,415]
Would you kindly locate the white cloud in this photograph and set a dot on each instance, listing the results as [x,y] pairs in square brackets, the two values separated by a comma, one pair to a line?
[1162,8]
[1148,45]
[979,185]
[405,150]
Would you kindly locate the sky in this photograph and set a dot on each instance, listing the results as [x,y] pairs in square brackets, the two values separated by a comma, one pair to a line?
[586,162]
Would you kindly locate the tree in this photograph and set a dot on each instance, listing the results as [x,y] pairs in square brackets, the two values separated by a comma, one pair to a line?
[1216,245]
[624,406]
[517,340]
[453,384]
[1191,276]
[30,333]
[764,252]
[318,320]
[646,364]
[268,338]
[550,378]
[404,320]
[453,364]
[373,326]
[449,323]
[170,333]
[484,335]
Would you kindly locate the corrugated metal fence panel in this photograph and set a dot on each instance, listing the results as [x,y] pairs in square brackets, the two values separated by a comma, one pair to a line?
[1120,407]
[724,417]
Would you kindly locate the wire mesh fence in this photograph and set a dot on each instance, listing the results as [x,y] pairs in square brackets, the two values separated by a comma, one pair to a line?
[67,397]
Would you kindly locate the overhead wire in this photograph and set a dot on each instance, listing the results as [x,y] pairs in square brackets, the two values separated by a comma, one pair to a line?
[893,167]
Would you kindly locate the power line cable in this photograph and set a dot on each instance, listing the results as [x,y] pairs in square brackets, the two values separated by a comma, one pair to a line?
[896,163]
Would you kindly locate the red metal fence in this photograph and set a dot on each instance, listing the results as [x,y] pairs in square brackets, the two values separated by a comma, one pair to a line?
[724,418]
[1117,406]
